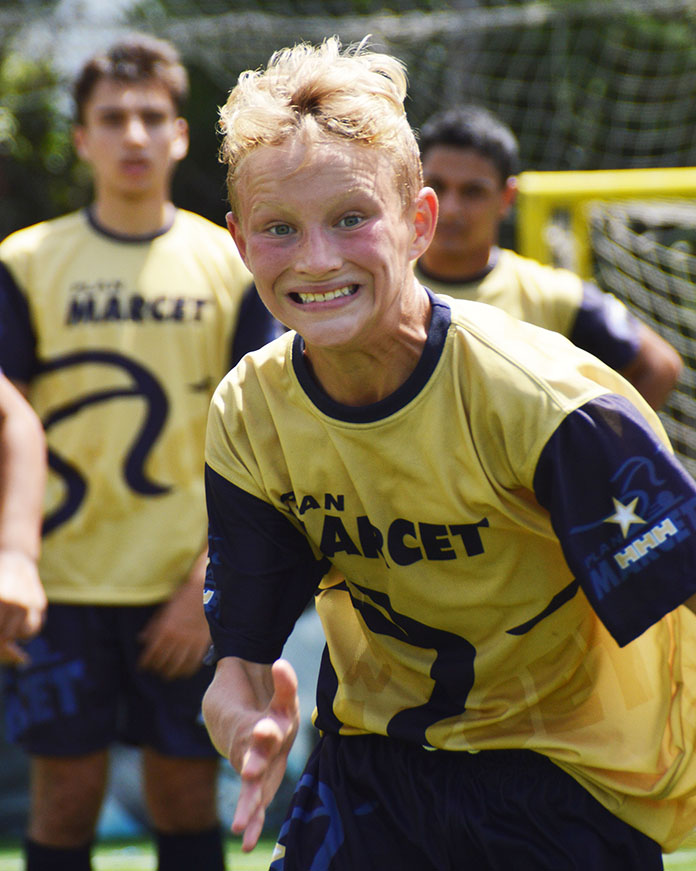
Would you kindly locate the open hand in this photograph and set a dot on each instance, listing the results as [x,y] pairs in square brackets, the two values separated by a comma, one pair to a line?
[264,762]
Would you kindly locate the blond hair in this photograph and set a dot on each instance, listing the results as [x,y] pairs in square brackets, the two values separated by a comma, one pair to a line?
[323,91]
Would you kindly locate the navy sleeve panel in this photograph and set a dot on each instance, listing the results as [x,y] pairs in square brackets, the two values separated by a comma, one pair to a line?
[17,339]
[256,326]
[624,511]
[261,573]
[606,328]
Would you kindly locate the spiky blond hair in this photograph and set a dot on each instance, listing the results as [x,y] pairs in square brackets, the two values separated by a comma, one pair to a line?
[322,92]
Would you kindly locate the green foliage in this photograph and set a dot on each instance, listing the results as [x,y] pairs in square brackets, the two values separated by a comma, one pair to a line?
[582,89]
[199,183]
[290,7]
[39,174]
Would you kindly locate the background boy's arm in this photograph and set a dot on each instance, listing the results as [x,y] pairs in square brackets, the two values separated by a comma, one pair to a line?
[177,637]
[22,480]
[655,369]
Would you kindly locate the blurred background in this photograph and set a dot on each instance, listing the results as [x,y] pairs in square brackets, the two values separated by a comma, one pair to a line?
[585,84]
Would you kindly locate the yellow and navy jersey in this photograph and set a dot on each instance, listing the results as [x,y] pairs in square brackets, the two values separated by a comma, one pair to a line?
[122,342]
[500,550]
[555,299]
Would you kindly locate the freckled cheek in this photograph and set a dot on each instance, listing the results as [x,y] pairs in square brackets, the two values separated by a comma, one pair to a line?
[370,252]
[266,264]
[261,258]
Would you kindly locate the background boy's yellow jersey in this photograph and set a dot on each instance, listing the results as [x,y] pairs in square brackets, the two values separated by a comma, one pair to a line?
[122,342]
[480,536]
[555,299]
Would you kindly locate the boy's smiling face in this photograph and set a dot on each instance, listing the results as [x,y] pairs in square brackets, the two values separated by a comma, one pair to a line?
[322,227]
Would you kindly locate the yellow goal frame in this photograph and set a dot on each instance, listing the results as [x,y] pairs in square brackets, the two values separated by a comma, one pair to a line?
[540,194]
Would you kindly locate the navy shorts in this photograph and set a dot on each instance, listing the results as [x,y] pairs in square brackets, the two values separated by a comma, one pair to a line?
[83,690]
[370,803]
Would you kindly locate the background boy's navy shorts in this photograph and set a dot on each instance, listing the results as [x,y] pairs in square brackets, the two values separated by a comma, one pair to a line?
[369,803]
[83,690]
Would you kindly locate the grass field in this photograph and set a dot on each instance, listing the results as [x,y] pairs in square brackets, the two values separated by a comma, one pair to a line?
[140,857]
[682,860]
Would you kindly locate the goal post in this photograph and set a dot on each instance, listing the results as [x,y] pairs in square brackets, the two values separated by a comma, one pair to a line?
[633,232]
[541,195]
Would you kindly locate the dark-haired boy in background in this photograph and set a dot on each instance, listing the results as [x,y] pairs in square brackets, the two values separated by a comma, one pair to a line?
[470,158]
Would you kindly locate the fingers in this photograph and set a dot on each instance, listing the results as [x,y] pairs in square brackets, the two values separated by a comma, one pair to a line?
[266,757]
[267,742]
[250,813]
[249,825]
[284,688]
[12,619]
[261,773]
[253,831]
[19,622]
[169,651]
[33,621]
[12,654]
[22,597]
[171,660]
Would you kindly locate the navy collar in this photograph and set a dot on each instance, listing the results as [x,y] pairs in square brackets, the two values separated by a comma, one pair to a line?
[493,258]
[435,342]
[125,237]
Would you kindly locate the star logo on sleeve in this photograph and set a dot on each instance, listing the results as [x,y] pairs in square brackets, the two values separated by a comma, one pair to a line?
[624,515]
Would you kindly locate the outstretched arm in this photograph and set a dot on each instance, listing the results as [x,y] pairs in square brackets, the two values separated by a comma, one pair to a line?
[22,479]
[252,714]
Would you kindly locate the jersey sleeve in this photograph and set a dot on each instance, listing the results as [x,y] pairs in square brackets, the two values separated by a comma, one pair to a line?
[256,326]
[261,573]
[17,339]
[606,328]
[624,511]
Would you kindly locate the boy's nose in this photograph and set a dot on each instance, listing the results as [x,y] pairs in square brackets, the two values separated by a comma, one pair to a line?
[135,129]
[317,254]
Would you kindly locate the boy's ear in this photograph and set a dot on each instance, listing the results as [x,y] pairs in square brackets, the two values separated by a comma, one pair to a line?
[236,233]
[180,146]
[424,221]
[509,195]
[78,138]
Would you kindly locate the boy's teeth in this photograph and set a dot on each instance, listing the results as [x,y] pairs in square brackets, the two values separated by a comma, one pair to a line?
[325,297]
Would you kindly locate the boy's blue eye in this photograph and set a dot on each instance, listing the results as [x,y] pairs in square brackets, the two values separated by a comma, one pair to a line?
[280,229]
[350,220]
